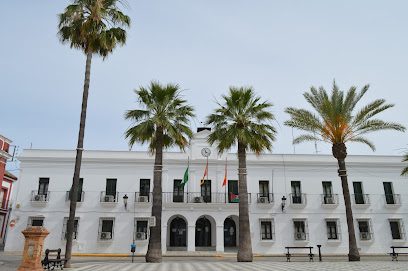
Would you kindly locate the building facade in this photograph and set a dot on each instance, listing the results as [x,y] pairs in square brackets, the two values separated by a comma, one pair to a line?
[205,217]
[6,183]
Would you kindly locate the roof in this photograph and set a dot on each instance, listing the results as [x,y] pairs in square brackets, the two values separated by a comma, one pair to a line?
[8,174]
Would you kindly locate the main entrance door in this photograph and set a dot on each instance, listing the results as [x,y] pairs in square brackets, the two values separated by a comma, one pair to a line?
[203,233]
[178,233]
[230,233]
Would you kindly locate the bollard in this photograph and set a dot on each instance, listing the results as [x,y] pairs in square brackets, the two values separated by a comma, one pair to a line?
[133,249]
[320,253]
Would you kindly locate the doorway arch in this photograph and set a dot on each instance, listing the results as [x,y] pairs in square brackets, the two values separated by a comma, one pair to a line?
[203,232]
[230,233]
[178,232]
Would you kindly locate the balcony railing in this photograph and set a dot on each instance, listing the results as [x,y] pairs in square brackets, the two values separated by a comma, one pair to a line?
[330,199]
[393,199]
[109,197]
[198,197]
[35,196]
[81,197]
[298,198]
[264,198]
[361,198]
[5,204]
[143,197]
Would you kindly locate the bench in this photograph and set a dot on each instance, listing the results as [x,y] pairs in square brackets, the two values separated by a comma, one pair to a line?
[50,264]
[394,254]
[310,255]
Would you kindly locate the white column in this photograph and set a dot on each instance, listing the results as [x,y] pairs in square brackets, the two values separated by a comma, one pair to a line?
[220,238]
[191,238]
[164,238]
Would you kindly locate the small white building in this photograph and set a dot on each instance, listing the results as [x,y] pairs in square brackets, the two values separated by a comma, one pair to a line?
[205,218]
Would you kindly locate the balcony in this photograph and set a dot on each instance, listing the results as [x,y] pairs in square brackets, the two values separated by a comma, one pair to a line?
[264,199]
[80,199]
[361,200]
[330,200]
[109,199]
[143,197]
[198,197]
[392,200]
[38,199]
[298,200]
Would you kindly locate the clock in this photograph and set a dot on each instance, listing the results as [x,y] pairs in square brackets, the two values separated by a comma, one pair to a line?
[206,152]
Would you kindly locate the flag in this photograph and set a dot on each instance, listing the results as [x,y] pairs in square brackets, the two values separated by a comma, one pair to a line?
[233,197]
[205,174]
[185,178]
[225,178]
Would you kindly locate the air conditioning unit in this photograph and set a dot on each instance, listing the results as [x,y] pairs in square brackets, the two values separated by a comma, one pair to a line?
[263,200]
[106,235]
[40,198]
[109,198]
[143,199]
[140,236]
[330,200]
[300,236]
[365,236]
[198,199]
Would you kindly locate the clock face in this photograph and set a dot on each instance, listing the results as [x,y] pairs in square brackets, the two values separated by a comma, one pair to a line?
[205,152]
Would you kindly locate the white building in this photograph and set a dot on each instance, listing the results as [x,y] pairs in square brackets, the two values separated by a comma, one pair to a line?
[203,218]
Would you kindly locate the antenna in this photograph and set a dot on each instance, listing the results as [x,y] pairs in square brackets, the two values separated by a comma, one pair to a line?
[315,143]
[293,138]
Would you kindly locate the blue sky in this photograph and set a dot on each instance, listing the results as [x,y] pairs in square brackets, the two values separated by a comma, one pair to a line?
[281,48]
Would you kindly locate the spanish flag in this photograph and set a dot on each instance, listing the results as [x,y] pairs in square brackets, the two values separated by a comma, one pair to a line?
[225,178]
[205,174]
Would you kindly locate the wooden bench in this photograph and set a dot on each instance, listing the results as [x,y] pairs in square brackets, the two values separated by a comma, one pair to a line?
[50,264]
[310,255]
[394,254]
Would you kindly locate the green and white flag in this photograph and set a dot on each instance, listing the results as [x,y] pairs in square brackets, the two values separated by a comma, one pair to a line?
[185,178]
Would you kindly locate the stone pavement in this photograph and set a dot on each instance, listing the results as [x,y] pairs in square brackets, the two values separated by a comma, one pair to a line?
[254,266]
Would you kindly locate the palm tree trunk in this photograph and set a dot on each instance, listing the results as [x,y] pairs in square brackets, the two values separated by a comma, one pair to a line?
[78,160]
[154,250]
[340,152]
[245,246]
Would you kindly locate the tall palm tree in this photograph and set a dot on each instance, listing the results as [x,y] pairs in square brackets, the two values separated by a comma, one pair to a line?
[245,121]
[163,123]
[92,26]
[337,123]
[405,170]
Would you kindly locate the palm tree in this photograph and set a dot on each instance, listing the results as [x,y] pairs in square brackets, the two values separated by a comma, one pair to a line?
[163,123]
[242,120]
[92,26]
[337,123]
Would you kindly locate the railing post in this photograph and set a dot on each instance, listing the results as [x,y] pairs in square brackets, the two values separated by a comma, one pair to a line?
[320,253]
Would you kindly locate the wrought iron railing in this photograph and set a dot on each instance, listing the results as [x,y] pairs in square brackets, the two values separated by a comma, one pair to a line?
[298,198]
[109,196]
[264,198]
[330,199]
[393,199]
[40,197]
[81,197]
[361,198]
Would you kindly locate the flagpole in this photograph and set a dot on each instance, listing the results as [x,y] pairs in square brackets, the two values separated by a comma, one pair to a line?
[226,180]
[207,180]
[188,173]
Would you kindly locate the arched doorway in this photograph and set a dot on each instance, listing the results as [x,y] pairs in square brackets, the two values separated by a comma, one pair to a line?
[230,233]
[203,232]
[178,232]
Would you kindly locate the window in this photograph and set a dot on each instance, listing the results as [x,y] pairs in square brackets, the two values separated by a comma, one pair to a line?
[141,228]
[296,192]
[389,195]
[233,191]
[144,187]
[364,226]
[267,230]
[111,188]
[333,229]
[264,191]
[106,228]
[397,229]
[64,228]
[79,197]
[327,193]
[358,193]
[300,229]
[178,191]
[35,221]
[43,186]
[206,191]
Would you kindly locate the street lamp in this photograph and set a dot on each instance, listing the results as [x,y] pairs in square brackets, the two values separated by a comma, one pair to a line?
[125,199]
[283,203]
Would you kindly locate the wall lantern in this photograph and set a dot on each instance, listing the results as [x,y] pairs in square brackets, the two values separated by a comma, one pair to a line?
[125,199]
[283,203]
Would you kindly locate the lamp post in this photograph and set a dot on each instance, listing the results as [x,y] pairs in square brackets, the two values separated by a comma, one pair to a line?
[283,203]
[125,199]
